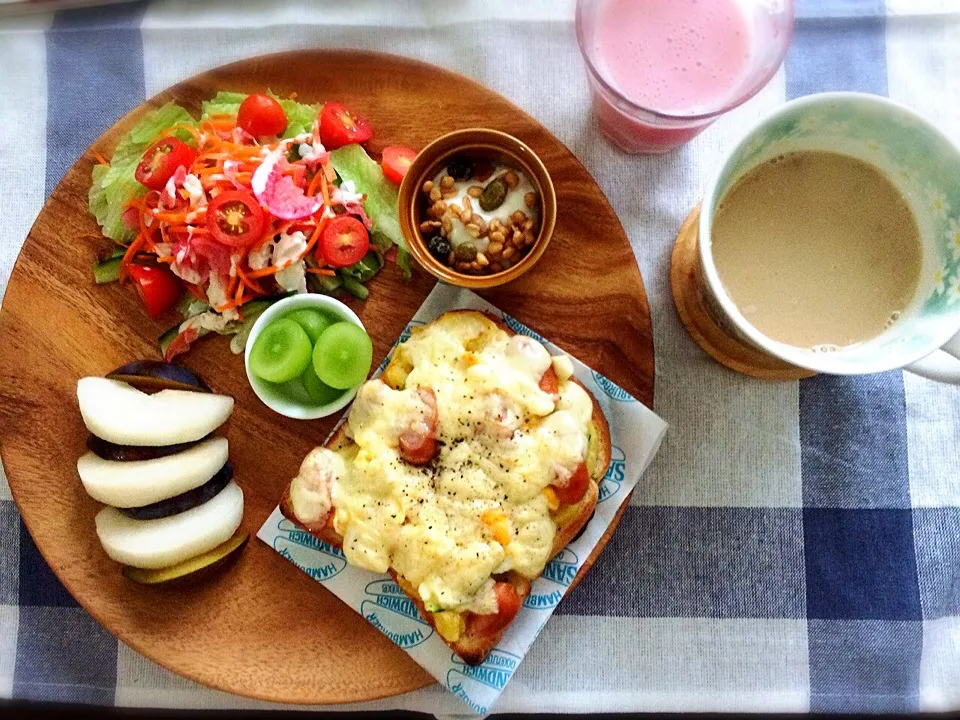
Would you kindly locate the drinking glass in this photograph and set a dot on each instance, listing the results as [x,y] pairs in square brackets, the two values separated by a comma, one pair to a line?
[636,129]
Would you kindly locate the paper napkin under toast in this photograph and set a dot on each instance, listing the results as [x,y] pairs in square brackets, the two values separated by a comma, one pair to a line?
[635,433]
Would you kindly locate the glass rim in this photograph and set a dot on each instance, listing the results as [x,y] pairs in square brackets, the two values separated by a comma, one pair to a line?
[678,118]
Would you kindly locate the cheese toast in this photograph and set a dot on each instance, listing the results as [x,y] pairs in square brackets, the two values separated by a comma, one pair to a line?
[461,471]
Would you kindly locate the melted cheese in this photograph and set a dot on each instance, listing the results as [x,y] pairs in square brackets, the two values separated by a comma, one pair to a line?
[502,442]
[311,489]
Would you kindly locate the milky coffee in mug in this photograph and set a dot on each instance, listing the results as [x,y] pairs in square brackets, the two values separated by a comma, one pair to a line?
[829,238]
[817,249]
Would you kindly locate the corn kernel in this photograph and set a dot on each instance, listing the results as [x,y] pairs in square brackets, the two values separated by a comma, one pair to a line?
[553,502]
[497,522]
[449,624]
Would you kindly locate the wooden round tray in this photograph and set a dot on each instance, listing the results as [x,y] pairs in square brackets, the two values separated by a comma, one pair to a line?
[264,629]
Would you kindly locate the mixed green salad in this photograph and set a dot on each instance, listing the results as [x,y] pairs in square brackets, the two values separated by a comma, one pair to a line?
[258,198]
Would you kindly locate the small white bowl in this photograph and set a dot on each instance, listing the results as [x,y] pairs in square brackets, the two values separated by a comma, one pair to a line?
[276,396]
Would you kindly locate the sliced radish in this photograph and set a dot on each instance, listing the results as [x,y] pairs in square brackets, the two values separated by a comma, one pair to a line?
[142,482]
[167,541]
[281,196]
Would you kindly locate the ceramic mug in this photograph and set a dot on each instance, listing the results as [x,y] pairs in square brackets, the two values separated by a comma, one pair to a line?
[924,165]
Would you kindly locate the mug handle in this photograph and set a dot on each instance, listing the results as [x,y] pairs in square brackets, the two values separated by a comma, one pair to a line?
[942,365]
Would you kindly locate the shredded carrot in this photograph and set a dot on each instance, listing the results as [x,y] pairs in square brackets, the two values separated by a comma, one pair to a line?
[232,285]
[269,270]
[321,271]
[284,227]
[171,217]
[223,122]
[238,295]
[314,238]
[196,291]
[209,170]
[196,230]
[248,282]
[128,256]
[293,95]
[98,157]
[142,220]
[228,305]
[245,151]
[329,172]
[268,234]
[324,190]
[168,259]
[315,184]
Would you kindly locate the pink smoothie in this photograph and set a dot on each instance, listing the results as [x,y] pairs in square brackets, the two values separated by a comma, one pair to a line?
[679,57]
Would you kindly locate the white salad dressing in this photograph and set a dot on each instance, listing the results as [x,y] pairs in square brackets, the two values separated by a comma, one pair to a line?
[513,202]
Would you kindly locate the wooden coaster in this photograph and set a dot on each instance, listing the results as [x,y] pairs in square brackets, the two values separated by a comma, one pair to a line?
[727,350]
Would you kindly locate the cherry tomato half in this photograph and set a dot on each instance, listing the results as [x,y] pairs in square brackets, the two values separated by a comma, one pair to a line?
[344,241]
[235,218]
[158,287]
[161,161]
[572,492]
[508,605]
[261,115]
[396,161]
[549,381]
[339,126]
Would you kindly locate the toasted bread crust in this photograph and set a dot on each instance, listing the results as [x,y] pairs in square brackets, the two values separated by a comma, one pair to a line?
[474,647]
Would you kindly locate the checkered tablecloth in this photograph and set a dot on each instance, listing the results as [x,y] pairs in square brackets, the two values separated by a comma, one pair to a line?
[796,546]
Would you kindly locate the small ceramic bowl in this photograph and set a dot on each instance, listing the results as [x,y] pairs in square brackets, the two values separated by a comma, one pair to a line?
[289,399]
[480,143]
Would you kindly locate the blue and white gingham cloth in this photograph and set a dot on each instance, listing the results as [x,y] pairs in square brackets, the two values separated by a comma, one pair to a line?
[795,546]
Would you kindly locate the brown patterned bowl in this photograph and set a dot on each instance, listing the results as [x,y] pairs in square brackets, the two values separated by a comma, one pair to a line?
[482,143]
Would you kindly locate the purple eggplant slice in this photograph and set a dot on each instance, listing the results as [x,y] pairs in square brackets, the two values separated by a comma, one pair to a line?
[184,501]
[154,376]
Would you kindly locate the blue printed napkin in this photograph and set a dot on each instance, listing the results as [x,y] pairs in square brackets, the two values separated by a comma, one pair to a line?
[635,433]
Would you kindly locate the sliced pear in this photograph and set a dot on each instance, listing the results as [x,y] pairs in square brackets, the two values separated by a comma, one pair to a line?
[190,569]
[165,542]
[184,501]
[143,482]
[121,414]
